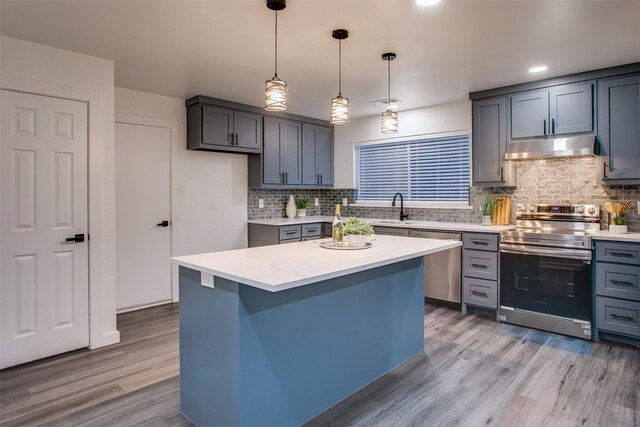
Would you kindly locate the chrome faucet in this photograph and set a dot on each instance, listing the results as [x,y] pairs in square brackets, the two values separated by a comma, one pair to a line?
[403,215]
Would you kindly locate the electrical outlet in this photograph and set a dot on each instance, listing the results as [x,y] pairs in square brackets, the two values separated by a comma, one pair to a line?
[206,280]
[260,203]
[316,202]
[345,202]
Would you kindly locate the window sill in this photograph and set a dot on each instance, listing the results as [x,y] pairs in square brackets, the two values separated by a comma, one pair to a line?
[413,205]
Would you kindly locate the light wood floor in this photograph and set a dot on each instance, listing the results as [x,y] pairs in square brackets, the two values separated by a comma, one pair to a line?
[475,372]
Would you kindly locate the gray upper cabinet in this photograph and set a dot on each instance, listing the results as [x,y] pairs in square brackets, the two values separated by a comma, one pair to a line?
[317,155]
[571,108]
[282,152]
[619,128]
[558,110]
[529,114]
[218,128]
[490,142]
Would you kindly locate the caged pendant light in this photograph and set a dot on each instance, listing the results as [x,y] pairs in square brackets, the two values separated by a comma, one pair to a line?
[275,92]
[339,104]
[389,118]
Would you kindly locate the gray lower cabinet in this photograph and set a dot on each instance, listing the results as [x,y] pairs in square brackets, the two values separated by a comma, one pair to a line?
[391,231]
[619,128]
[317,155]
[218,128]
[557,110]
[263,235]
[617,291]
[480,271]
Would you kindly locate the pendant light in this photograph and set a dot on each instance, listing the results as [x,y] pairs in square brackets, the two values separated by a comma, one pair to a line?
[389,118]
[339,104]
[275,92]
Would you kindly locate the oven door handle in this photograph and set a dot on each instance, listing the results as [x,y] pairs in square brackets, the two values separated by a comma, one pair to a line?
[557,253]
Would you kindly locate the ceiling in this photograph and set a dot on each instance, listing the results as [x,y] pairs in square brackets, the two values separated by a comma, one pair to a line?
[224,49]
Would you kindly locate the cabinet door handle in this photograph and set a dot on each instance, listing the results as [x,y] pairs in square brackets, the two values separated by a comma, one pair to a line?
[553,126]
[282,177]
[617,316]
[481,266]
[289,233]
[480,294]
[622,254]
[480,242]
[501,173]
[544,126]
[320,178]
[619,282]
[286,177]
[317,178]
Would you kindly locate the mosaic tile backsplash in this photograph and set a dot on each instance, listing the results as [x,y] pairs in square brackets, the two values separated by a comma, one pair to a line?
[539,181]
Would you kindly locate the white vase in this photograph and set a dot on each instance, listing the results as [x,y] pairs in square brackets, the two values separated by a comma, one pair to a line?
[486,219]
[291,208]
[301,213]
[617,229]
[356,241]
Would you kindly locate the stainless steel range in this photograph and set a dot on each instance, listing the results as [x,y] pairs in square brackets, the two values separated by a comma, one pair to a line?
[545,268]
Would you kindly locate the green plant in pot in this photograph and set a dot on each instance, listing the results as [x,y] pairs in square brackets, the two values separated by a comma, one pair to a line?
[488,204]
[357,231]
[301,207]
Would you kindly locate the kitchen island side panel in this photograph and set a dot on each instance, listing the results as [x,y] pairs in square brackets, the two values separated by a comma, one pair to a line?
[299,351]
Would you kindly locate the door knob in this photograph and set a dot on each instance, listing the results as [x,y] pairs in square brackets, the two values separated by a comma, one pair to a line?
[78,238]
[163,224]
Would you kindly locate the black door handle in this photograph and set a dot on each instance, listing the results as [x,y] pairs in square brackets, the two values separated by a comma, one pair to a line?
[163,224]
[78,238]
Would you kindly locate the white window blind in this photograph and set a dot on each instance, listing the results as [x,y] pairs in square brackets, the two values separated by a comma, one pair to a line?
[425,170]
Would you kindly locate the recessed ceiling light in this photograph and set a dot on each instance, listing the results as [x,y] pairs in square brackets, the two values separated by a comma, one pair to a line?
[538,69]
[427,2]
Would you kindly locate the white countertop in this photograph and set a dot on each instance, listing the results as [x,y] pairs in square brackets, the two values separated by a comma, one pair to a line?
[279,267]
[419,225]
[625,237]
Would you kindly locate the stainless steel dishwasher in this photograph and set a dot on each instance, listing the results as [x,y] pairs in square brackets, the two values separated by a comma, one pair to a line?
[442,277]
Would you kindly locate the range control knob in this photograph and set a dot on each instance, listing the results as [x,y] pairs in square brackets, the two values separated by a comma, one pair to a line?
[591,210]
[521,208]
[580,209]
[532,208]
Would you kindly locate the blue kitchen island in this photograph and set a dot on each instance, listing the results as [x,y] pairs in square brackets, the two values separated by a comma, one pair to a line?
[275,335]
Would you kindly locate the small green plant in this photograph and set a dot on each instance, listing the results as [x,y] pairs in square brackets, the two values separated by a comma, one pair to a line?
[357,227]
[302,203]
[618,220]
[488,203]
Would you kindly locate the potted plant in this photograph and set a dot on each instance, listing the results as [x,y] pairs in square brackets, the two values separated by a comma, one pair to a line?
[488,204]
[617,218]
[301,207]
[356,231]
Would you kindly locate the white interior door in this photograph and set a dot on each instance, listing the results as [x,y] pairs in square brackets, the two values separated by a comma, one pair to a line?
[45,306]
[143,174]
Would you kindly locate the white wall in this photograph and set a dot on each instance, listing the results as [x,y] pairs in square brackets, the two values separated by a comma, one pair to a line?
[439,119]
[34,68]
[199,180]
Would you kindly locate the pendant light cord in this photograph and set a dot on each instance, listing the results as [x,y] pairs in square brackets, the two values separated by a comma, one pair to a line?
[276,65]
[389,84]
[340,67]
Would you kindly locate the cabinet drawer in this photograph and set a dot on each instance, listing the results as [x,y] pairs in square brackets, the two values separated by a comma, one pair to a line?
[481,265]
[483,293]
[311,230]
[616,280]
[392,231]
[623,253]
[290,232]
[618,316]
[480,241]
[326,230]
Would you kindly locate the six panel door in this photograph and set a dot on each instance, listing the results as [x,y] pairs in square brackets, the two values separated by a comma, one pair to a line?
[44,290]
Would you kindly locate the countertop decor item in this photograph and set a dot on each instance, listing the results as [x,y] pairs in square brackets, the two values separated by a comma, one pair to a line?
[616,217]
[291,208]
[488,204]
[348,247]
[275,93]
[301,207]
[340,104]
[357,231]
[502,213]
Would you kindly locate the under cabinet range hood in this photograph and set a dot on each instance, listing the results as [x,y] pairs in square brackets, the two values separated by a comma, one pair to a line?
[573,146]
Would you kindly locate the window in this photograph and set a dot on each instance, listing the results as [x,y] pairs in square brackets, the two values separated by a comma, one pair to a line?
[434,171]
